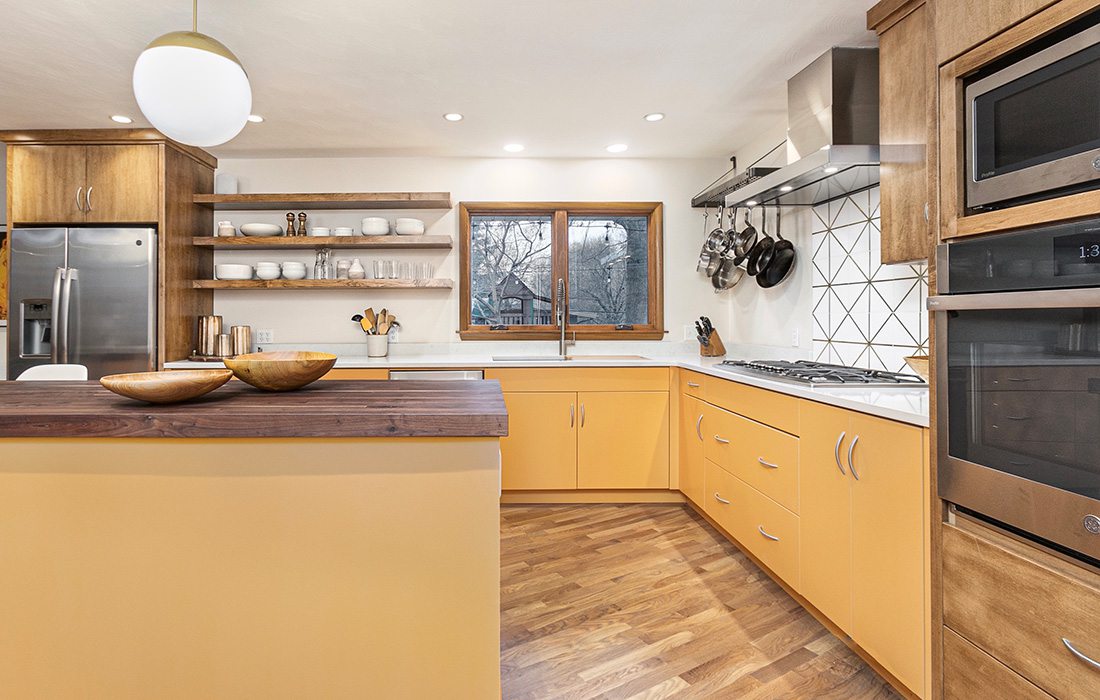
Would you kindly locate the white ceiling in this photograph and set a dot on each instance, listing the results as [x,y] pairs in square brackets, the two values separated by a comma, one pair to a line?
[364,77]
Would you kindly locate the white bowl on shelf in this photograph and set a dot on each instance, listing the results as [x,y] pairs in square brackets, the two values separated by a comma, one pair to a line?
[261,230]
[230,271]
[320,231]
[268,273]
[343,231]
[375,226]
[409,227]
[294,273]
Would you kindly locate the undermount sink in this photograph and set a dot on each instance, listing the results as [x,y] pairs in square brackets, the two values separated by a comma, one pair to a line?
[559,358]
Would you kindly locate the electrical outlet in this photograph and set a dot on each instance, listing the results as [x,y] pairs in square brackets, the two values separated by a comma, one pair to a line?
[265,336]
[796,338]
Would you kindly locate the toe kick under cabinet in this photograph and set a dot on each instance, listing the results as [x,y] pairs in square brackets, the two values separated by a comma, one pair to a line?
[833,502]
[585,428]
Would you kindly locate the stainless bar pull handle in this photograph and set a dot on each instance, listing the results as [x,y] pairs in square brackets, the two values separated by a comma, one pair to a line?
[1031,299]
[79,201]
[852,464]
[572,415]
[769,465]
[1018,417]
[1020,379]
[720,499]
[62,333]
[693,385]
[55,320]
[582,415]
[699,427]
[1079,655]
[836,453]
[721,440]
[773,538]
[88,198]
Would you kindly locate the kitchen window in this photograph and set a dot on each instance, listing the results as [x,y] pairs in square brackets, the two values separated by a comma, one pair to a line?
[607,254]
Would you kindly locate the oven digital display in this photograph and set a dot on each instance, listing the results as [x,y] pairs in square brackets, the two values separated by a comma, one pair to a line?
[1077,253]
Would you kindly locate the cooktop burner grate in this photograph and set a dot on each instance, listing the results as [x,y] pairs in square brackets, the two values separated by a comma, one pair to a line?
[806,372]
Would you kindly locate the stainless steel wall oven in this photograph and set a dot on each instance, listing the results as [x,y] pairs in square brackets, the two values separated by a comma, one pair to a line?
[1018,381]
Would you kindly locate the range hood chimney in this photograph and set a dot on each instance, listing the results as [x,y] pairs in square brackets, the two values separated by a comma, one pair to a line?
[832,137]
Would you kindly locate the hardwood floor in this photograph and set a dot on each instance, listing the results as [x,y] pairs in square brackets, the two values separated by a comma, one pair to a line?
[638,601]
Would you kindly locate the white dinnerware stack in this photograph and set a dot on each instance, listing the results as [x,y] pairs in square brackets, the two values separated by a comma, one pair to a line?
[228,271]
[409,227]
[294,270]
[375,226]
[268,271]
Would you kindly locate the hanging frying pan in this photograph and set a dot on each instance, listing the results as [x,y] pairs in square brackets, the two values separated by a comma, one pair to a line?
[745,240]
[728,273]
[782,260]
[761,253]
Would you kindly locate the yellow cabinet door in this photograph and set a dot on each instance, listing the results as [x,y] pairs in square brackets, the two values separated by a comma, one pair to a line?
[623,440]
[47,184]
[123,184]
[540,451]
[825,554]
[691,448]
[888,545]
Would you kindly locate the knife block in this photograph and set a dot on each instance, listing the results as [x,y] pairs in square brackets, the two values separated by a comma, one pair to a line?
[715,348]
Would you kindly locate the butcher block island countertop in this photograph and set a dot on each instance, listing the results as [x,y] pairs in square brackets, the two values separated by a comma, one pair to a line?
[341,541]
[323,409]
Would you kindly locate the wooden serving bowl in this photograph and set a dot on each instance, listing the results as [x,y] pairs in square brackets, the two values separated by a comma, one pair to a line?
[166,387]
[919,364]
[281,371]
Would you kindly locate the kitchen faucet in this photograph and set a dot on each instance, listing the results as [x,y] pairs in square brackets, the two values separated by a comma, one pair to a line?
[562,315]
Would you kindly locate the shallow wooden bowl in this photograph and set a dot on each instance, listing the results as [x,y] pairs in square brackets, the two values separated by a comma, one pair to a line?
[166,387]
[919,364]
[281,371]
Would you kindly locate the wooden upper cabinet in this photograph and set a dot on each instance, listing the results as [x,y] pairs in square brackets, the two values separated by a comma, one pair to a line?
[123,184]
[85,184]
[907,127]
[47,184]
[963,24]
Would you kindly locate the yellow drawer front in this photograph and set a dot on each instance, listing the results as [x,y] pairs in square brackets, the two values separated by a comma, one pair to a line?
[720,436]
[767,459]
[581,378]
[770,532]
[719,500]
[691,383]
[763,406]
[357,374]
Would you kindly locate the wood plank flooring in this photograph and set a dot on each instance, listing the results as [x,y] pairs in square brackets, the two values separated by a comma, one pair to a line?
[649,601]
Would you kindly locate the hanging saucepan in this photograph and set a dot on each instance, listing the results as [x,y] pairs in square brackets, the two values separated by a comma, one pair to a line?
[704,252]
[761,253]
[745,240]
[728,273]
[782,260]
[717,237]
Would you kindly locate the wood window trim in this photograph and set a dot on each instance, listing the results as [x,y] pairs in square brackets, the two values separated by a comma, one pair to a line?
[560,211]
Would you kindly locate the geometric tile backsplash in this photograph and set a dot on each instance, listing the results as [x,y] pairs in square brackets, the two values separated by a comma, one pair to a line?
[866,314]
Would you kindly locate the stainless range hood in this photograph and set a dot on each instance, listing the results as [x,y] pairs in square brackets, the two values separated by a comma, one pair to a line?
[832,134]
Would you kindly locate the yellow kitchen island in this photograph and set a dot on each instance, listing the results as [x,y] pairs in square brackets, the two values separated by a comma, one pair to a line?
[337,542]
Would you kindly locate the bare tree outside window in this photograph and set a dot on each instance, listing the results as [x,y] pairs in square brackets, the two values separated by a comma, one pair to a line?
[608,270]
[510,269]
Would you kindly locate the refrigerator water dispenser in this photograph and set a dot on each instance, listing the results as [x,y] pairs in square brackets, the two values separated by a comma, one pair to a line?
[35,340]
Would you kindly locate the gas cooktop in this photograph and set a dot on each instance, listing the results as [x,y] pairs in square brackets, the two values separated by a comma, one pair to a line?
[819,373]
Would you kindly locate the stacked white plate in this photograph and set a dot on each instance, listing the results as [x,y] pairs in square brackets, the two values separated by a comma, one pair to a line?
[262,230]
[227,271]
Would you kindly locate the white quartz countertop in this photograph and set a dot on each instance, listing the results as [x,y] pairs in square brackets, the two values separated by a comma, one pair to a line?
[904,404]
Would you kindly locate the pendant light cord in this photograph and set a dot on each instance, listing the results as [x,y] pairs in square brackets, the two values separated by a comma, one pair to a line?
[195,16]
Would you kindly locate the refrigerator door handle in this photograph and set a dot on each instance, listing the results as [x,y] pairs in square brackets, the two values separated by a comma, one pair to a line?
[66,312]
[55,316]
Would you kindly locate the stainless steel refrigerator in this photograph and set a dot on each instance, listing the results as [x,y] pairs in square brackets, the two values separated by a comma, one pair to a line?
[84,296]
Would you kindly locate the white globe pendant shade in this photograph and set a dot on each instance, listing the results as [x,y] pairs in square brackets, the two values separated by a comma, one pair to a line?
[192,89]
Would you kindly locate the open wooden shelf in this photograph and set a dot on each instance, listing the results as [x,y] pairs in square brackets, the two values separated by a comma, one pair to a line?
[323,284]
[279,242]
[325,200]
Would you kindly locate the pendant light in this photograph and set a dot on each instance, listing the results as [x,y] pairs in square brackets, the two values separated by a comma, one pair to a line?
[192,88]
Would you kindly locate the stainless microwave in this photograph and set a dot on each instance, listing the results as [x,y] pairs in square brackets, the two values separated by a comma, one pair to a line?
[1033,125]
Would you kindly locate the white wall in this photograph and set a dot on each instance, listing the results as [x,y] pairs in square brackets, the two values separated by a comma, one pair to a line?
[432,316]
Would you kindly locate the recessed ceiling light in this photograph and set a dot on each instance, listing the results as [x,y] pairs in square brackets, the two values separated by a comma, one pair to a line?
[453,117]
[785,188]
[654,117]
[616,148]
[514,147]
[255,118]
[751,203]
[831,169]
[121,119]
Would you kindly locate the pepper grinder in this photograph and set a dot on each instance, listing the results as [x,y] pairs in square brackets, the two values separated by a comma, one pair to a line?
[302,224]
[290,223]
